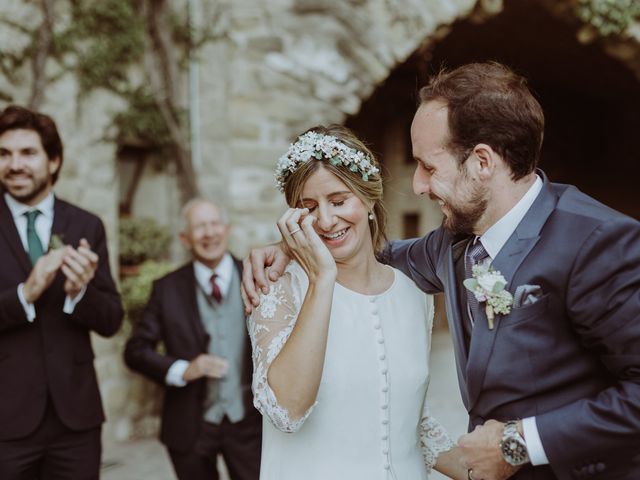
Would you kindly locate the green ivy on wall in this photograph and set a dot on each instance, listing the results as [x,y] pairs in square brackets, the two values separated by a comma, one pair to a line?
[608,17]
[141,122]
[101,42]
[107,37]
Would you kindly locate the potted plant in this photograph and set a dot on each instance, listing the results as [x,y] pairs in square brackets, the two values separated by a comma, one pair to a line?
[141,239]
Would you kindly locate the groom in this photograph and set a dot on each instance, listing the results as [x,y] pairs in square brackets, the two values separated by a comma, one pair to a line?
[559,368]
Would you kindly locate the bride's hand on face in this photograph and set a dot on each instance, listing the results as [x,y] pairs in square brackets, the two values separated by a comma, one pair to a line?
[305,245]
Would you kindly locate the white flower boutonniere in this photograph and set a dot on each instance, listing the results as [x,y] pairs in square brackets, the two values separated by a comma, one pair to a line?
[487,285]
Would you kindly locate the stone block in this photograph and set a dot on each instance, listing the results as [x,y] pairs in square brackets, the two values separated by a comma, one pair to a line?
[265,43]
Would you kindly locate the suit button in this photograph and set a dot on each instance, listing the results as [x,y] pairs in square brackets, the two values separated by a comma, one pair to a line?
[591,469]
[600,467]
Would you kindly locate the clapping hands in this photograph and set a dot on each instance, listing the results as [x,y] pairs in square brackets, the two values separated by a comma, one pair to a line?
[78,265]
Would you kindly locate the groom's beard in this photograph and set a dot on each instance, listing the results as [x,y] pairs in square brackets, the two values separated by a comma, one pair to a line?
[463,217]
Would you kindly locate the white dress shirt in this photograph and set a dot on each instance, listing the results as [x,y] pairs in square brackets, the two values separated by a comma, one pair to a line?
[493,240]
[43,225]
[203,274]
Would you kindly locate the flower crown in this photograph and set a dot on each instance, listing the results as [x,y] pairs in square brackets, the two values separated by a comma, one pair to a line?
[318,146]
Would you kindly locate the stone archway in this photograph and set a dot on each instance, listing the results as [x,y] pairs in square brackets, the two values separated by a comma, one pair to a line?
[305,62]
[591,100]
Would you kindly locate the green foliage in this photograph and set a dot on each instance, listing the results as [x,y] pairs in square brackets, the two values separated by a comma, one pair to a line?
[142,239]
[12,61]
[102,42]
[142,122]
[136,289]
[107,37]
[608,17]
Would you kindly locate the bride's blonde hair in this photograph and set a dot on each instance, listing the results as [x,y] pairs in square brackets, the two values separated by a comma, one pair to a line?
[369,191]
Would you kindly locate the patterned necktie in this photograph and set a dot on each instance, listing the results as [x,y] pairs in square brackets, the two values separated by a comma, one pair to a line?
[33,241]
[215,289]
[475,254]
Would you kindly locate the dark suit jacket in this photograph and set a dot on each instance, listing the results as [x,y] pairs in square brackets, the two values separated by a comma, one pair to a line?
[52,357]
[172,317]
[572,359]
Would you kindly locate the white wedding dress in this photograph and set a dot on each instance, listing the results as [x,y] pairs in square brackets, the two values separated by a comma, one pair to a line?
[370,420]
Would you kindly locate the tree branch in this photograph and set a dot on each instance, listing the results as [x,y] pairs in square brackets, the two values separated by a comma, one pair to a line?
[43,46]
[160,70]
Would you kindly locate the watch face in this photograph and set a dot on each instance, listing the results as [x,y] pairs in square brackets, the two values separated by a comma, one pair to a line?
[514,451]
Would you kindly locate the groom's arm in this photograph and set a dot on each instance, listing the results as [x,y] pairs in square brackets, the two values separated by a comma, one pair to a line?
[418,259]
[603,303]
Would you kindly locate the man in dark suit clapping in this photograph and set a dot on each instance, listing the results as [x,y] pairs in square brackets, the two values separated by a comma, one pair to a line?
[197,312]
[50,408]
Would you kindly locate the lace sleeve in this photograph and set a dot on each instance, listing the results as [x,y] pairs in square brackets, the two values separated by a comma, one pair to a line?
[270,326]
[434,439]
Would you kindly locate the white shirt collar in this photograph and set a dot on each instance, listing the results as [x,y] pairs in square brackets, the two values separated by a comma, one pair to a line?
[18,209]
[497,235]
[224,270]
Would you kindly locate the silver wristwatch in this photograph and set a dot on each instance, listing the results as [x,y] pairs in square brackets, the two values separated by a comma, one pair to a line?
[513,447]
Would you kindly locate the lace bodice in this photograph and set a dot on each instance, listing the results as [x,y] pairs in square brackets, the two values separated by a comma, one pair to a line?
[398,370]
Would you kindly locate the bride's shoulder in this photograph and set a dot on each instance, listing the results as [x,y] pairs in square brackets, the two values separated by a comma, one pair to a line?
[295,273]
[409,286]
[294,279]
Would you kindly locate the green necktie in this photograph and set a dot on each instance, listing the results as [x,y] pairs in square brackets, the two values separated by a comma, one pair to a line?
[33,242]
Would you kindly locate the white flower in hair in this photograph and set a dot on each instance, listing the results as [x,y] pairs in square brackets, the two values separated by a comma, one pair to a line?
[318,146]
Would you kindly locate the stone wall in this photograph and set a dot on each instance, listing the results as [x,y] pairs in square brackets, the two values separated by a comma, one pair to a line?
[277,68]
[302,63]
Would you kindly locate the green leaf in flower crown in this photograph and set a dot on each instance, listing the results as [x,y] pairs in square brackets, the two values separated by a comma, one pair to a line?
[498,287]
[470,284]
[335,160]
[353,167]
[365,177]
[318,154]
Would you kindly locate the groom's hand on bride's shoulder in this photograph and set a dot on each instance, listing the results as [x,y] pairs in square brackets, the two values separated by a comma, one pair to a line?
[259,268]
[481,453]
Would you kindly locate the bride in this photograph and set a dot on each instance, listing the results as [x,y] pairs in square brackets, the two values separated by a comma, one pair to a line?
[341,342]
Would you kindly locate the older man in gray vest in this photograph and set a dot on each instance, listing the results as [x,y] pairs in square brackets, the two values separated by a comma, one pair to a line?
[197,313]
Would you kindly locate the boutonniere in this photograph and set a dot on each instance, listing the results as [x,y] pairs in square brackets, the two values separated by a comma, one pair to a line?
[487,285]
[57,241]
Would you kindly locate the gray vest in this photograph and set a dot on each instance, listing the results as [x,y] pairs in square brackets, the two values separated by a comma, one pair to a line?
[225,324]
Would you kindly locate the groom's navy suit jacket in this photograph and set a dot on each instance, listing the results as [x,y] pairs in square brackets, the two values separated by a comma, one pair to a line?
[572,358]
[51,358]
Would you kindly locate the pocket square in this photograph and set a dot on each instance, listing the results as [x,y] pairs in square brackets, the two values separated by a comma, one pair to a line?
[526,295]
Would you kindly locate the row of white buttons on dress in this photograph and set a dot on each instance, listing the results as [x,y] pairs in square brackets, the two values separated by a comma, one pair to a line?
[384,384]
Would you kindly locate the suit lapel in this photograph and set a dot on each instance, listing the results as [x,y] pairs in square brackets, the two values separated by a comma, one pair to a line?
[508,260]
[11,236]
[454,315]
[526,235]
[61,220]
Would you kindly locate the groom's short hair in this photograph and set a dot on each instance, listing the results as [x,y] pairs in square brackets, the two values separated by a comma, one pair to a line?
[488,103]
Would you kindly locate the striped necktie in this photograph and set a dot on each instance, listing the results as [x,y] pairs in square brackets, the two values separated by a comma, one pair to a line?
[475,254]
